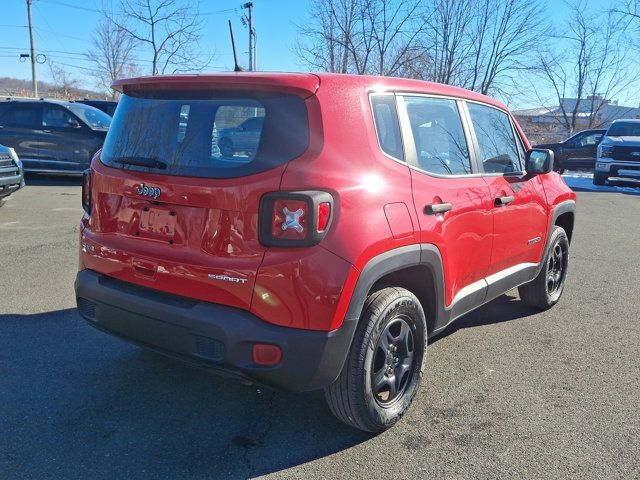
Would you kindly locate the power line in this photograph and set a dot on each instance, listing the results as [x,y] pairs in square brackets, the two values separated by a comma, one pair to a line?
[68,5]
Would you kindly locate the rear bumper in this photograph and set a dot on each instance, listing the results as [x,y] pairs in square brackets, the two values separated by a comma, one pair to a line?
[211,335]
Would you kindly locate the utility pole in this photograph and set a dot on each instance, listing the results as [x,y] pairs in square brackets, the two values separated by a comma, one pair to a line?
[34,79]
[252,60]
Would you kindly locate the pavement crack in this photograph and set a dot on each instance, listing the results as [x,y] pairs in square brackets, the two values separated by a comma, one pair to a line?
[256,441]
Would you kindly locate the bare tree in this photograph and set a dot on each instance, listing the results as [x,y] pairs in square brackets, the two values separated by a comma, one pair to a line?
[590,69]
[378,37]
[502,38]
[169,29]
[480,44]
[111,55]
[326,38]
[63,83]
[448,40]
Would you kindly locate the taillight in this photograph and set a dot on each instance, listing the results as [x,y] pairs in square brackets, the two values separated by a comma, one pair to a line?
[324,213]
[294,219]
[86,191]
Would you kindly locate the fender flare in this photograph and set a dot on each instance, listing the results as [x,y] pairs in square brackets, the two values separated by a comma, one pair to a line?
[425,254]
[567,206]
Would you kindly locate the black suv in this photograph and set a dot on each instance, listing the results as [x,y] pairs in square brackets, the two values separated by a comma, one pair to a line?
[576,152]
[52,136]
[11,175]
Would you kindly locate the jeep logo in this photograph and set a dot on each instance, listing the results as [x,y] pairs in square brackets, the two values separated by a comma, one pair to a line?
[153,192]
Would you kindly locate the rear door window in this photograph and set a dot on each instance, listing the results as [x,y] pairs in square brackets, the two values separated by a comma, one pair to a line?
[496,139]
[438,134]
[23,116]
[221,137]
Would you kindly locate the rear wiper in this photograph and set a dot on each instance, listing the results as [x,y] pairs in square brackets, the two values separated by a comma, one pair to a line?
[150,162]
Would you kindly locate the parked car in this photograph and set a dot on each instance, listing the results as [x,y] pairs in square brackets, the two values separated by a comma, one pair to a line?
[577,152]
[619,152]
[11,174]
[370,214]
[52,136]
[241,139]
[107,106]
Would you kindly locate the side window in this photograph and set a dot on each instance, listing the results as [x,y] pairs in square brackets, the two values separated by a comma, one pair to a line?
[496,142]
[385,116]
[24,116]
[438,134]
[590,140]
[57,117]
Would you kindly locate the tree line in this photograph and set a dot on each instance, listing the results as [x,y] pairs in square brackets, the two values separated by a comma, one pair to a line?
[574,49]
[571,49]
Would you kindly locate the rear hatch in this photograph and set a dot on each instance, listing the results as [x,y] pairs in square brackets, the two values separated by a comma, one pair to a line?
[176,191]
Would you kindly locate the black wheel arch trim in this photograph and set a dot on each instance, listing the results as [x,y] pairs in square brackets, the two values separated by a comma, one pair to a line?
[567,206]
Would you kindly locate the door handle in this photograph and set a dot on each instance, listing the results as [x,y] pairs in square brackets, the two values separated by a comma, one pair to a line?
[46,131]
[503,201]
[434,208]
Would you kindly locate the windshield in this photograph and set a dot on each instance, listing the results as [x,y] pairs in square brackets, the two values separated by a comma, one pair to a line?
[624,129]
[207,137]
[96,119]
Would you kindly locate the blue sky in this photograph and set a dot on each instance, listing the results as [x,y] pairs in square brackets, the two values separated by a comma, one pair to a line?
[64,28]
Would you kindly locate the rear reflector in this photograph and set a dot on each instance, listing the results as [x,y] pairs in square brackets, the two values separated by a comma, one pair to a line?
[267,355]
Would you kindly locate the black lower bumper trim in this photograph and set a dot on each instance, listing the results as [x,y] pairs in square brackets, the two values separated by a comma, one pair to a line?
[212,335]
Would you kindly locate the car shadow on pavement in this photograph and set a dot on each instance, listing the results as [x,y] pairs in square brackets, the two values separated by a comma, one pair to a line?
[505,308]
[41,180]
[77,403]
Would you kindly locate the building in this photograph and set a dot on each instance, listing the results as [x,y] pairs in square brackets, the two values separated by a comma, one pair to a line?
[549,124]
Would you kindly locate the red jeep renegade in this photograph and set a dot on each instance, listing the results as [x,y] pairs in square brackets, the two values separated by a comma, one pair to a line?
[313,231]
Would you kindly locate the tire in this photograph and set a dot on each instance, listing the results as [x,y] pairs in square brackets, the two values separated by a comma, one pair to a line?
[599,179]
[373,365]
[546,289]
[226,147]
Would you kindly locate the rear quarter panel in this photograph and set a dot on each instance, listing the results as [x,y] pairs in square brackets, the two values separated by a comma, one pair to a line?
[349,164]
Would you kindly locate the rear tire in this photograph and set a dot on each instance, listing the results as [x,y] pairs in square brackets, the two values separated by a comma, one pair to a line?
[384,366]
[599,180]
[546,289]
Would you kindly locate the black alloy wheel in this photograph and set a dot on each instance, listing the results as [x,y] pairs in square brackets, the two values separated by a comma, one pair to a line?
[393,362]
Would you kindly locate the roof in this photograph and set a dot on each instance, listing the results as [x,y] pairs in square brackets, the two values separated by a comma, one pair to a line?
[64,103]
[627,120]
[303,82]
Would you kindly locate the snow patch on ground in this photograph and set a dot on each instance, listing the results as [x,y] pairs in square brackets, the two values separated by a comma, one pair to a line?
[584,181]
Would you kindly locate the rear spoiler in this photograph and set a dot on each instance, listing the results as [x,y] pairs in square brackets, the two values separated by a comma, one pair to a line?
[302,84]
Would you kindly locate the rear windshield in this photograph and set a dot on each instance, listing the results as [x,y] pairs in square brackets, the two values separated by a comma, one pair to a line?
[624,129]
[221,136]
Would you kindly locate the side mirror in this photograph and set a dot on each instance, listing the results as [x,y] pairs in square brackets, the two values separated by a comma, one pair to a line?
[73,123]
[538,161]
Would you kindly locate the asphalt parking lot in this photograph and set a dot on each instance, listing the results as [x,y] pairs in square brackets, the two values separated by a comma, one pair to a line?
[508,393]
